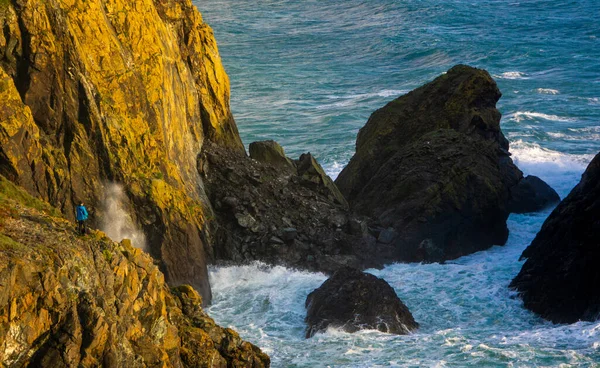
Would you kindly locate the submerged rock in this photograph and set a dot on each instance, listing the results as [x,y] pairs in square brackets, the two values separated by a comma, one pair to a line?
[353,300]
[86,301]
[560,279]
[433,165]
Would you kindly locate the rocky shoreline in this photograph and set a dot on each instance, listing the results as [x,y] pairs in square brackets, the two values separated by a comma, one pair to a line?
[88,98]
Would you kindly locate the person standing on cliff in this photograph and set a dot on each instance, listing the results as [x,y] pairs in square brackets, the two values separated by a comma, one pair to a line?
[82,215]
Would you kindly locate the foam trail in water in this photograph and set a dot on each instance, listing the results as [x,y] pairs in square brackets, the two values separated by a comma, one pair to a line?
[529,115]
[548,91]
[511,75]
[117,223]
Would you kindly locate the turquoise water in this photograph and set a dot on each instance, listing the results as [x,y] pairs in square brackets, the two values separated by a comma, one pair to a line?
[308,74]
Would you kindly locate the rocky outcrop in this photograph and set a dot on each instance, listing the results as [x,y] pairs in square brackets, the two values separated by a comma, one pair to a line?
[116,91]
[530,195]
[280,217]
[432,168]
[560,278]
[271,153]
[353,300]
[72,301]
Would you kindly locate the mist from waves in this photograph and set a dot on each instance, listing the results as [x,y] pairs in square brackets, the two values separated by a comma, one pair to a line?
[116,221]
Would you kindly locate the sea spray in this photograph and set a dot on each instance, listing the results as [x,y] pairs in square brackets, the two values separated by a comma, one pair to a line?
[117,222]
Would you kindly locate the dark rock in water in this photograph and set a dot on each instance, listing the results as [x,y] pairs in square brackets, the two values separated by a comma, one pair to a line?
[532,194]
[560,279]
[264,213]
[434,165]
[310,170]
[270,152]
[354,300]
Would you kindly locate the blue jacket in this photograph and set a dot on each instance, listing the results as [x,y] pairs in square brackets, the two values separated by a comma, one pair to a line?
[82,213]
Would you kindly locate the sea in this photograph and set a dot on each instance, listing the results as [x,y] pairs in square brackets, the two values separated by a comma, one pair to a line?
[308,74]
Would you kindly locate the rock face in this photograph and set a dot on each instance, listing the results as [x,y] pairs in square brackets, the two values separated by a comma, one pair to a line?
[270,152]
[116,91]
[560,278]
[280,217]
[72,301]
[532,194]
[354,300]
[433,168]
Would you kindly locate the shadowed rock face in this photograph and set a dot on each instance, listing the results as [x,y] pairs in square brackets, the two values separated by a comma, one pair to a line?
[286,217]
[86,301]
[560,278]
[121,91]
[353,300]
[433,168]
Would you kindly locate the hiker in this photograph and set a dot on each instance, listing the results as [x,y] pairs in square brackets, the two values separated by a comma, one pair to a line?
[82,215]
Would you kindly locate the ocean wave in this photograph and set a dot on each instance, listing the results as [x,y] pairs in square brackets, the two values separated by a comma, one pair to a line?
[382,93]
[511,75]
[351,100]
[530,115]
[592,129]
[533,155]
[548,91]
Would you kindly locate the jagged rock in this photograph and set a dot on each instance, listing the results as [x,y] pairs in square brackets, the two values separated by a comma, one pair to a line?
[270,152]
[298,223]
[73,301]
[88,95]
[560,278]
[310,170]
[289,233]
[387,236]
[353,300]
[531,194]
[358,227]
[433,164]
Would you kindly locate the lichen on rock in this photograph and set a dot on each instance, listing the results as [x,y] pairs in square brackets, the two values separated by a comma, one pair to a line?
[68,301]
[116,91]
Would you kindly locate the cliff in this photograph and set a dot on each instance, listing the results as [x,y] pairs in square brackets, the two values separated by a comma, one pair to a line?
[72,301]
[560,278]
[116,91]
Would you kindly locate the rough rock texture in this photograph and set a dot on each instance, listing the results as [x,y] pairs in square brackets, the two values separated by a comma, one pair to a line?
[116,91]
[433,168]
[560,278]
[311,171]
[353,300]
[270,152]
[72,301]
[532,194]
[278,217]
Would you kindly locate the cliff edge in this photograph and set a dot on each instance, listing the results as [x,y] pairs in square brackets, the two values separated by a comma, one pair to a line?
[72,301]
[107,91]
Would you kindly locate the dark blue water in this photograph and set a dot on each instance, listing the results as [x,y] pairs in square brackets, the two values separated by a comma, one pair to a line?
[309,73]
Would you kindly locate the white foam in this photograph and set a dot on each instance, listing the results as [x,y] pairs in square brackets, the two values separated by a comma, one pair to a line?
[334,169]
[511,75]
[520,116]
[527,153]
[548,91]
